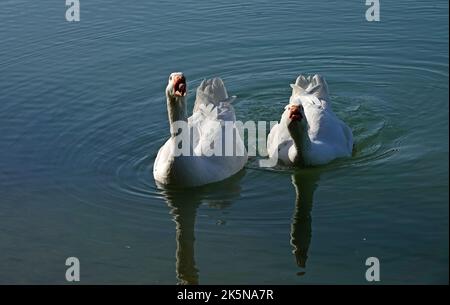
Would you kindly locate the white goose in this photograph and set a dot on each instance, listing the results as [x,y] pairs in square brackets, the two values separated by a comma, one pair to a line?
[309,133]
[204,159]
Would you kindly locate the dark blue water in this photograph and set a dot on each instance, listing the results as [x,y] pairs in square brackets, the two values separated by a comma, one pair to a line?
[82,115]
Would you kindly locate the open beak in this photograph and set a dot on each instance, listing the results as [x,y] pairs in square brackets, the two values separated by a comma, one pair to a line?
[179,86]
[295,113]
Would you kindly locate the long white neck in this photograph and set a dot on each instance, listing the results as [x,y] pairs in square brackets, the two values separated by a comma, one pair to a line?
[299,133]
[176,109]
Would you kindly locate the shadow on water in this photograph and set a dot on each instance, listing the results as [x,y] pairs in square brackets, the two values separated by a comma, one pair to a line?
[305,182]
[184,204]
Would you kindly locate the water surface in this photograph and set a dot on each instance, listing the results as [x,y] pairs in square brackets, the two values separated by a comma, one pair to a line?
[82,115]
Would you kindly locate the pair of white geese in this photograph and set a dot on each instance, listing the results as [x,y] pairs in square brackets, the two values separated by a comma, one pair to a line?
[308,134]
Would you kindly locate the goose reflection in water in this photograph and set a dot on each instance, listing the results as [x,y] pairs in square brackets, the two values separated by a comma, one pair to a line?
[305,182]
[184,204]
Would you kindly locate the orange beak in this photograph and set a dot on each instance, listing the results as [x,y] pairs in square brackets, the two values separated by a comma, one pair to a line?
[295,113]
[179,85]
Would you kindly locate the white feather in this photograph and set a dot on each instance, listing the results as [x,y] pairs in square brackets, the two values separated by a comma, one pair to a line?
[328,137]
[212,109]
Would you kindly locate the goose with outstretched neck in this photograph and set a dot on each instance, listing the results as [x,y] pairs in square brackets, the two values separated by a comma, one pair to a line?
[309,133]
[198,152]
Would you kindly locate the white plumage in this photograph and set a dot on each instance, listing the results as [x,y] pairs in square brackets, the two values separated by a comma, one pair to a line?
[309,133]
[206,162]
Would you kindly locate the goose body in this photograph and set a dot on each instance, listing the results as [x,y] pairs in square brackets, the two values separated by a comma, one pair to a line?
[204,160]
[309,133]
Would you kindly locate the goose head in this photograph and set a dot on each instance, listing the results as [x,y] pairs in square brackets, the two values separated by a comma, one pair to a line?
[176,87]
[298,129]
[176,92]
[295,115]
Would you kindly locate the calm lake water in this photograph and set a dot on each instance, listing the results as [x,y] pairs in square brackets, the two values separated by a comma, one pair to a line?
[83,114]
